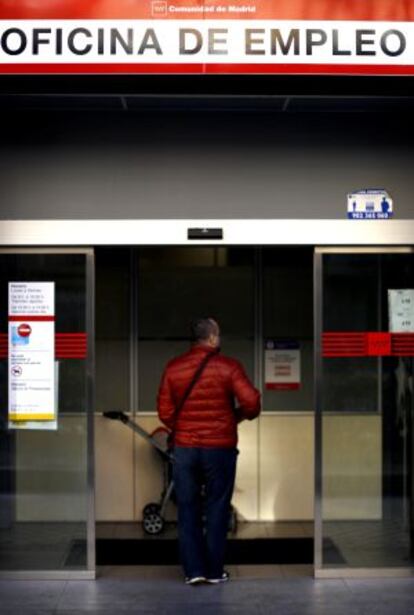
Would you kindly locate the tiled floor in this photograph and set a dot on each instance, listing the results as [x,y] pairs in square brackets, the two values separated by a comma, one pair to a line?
[370,544]
[46,546]
[251,529]
[261,590]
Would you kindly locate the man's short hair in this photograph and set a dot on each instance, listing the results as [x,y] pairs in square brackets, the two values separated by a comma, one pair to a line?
[202,328]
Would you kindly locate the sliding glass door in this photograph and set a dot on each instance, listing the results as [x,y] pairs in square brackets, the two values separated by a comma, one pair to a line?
[364,411]
[46,420]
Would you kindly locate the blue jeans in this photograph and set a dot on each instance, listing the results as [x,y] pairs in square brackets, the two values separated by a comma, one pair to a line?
[202,545]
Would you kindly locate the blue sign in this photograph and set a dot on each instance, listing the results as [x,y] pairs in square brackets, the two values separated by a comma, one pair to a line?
[16,339]
[370,204]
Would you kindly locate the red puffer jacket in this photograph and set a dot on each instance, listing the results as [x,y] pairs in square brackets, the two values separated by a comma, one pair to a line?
[208,417]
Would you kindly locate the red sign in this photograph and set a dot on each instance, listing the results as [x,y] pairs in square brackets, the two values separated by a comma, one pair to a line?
[327,10]
[207,36]
[366,344]
[378,344]
[24,330]
[287,386]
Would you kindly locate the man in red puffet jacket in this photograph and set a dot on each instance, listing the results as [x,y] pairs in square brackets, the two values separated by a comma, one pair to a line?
[204,433]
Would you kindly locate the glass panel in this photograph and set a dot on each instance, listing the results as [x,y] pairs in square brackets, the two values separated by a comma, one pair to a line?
[113,301]
[43,473]
[177,285]
[367,463]
[288,319]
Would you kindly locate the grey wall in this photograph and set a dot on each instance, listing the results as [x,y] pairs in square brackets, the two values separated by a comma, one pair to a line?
[201,165]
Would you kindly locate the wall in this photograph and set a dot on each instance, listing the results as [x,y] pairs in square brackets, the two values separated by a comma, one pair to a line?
[275,475]
[200,165]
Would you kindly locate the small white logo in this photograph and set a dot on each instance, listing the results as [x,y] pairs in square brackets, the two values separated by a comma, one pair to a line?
[159,8]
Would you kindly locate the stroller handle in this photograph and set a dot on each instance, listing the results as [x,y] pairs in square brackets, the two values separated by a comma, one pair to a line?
[116,415]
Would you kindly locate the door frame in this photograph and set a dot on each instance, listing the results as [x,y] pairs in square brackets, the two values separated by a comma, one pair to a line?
[319,570]
[90,571]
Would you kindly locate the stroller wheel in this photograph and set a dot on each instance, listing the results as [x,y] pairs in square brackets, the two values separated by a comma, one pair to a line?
[152,522]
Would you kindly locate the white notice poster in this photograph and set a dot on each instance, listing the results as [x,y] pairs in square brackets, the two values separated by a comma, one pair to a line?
[401,310]
[282,365]
[32,354]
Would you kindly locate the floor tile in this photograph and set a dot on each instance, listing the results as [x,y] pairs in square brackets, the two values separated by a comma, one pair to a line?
[252,591]
[308,529]
[384,590]
[258,572]
[285,530]
[141,572]
[30,594]
[394,607]
[297,570]
[110,609]
[22,610]
[211,609]
[105,530]
[293,608]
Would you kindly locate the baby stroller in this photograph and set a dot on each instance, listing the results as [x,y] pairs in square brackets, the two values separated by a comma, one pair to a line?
[153,520]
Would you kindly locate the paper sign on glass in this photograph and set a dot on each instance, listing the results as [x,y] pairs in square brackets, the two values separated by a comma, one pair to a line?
[31,352]
[282,365]
[401,310]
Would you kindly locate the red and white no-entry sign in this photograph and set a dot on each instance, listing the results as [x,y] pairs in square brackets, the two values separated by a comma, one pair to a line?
[24,330]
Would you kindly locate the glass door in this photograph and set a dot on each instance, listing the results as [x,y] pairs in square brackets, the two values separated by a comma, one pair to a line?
[46,420]
[364,318]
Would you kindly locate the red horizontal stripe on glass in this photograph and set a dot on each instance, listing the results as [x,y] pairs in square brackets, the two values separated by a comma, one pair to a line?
[403,344]
[70,339]
[346,344]
[67,346]
[33,318]
[71,345]
[63,347]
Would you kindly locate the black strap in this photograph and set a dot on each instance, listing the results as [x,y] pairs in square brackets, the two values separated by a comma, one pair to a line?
[190,387]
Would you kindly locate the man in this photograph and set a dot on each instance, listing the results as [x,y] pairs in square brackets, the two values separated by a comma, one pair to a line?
[205,439]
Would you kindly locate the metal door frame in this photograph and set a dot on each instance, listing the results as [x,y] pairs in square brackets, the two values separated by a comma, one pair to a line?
[319,570]
[90,571]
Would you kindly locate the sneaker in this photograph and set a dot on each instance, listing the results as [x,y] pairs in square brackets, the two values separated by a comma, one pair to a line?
[223,579]
[194,580]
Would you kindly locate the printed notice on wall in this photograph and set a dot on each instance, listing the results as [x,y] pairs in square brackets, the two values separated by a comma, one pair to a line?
[282,365]
[32,371]
[401,310]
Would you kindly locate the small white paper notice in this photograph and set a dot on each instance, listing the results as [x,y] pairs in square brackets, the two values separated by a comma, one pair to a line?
[282,365]
[401,310]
